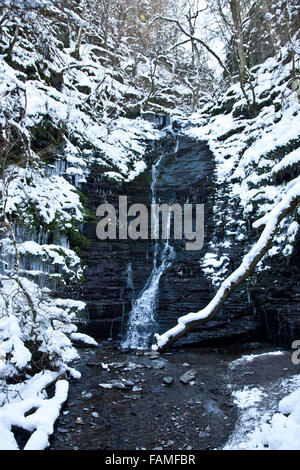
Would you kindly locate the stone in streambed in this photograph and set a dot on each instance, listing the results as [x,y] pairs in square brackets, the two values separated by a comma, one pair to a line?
[159,364]
[188,377]
[168,380]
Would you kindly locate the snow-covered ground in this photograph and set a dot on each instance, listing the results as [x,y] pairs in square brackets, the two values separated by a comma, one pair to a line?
[266,422]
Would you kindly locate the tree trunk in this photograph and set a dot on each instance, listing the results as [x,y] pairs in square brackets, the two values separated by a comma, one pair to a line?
[79,41]
[244,75]
[13,41]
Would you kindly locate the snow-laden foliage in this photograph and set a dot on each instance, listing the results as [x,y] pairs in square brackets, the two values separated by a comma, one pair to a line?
[27,406]
[35,333]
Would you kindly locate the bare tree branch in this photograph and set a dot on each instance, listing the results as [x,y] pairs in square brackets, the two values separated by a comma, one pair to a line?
[193,38]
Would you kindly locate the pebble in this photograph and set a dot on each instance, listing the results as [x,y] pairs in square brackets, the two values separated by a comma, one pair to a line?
[168,380]
[188,377]
[152,355]
[169,443]
[206,432]
[159,365]
[118,384]
[106,386]
[62,430]
[128,383]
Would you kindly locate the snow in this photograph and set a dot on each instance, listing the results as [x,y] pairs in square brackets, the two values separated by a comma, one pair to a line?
[266,422]
[85,339]
[247,398]
[291,159]
[251,357]
[53,331]
[27,396]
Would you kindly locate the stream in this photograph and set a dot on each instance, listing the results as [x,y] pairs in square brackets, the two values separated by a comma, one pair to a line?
[136,400]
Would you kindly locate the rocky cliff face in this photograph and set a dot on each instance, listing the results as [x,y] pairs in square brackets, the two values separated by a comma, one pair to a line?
[117,271]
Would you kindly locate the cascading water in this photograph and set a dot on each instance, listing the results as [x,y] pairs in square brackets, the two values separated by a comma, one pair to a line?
[142,323]
[130,283]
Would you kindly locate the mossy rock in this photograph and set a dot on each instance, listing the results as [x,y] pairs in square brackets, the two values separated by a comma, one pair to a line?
[245,112]
[86,90]
[47,139]
[232,132]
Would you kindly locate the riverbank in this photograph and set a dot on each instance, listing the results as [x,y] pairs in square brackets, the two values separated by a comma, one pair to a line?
[136,401]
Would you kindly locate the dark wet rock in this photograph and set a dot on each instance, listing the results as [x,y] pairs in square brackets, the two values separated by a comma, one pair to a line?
[159,364]
[118,384]
[62,430]
[92,364]
[187,175]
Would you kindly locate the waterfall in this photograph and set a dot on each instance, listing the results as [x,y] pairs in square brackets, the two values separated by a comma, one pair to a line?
[142,323]
[130,283]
